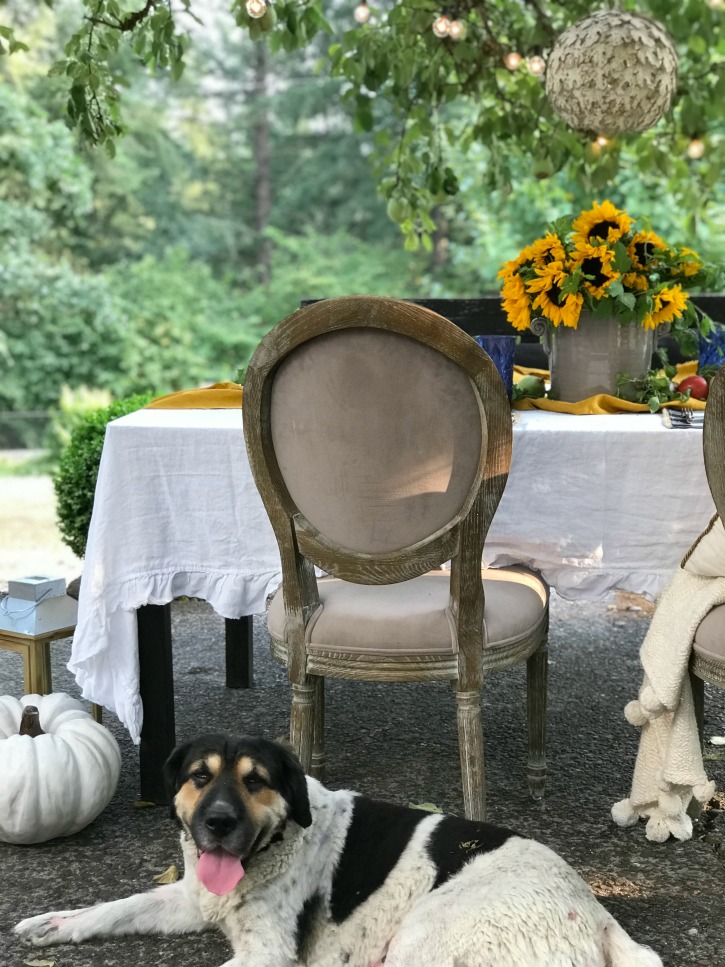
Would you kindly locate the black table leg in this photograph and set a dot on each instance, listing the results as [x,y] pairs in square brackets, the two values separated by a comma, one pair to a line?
[239,635]
[156,679]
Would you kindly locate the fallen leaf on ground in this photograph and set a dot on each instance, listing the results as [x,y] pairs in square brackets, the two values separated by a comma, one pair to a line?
[717,740]
[168,876]
[39,963]
[429,807]
[142,804]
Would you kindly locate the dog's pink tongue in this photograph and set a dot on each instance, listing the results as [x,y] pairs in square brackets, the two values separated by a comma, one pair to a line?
[219,871]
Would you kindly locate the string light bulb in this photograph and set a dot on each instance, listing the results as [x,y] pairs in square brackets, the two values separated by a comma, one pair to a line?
[536,65]
[716,4]
[456,30]
[512,60]
[361,13]
[441,26]
[601,141]
[696,149]
[255,8]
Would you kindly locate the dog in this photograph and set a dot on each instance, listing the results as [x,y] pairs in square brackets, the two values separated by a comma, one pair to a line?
[296,874]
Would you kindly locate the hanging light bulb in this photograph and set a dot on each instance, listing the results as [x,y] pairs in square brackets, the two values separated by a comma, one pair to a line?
[536,65]
[361,13]
[716,4]
[602,141]
[456,30]
[512,60]
[441,26]
[696,148]
[256,8]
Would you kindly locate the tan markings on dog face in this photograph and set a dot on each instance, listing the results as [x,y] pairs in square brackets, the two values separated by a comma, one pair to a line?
[260,801]
[247,764]
[190,795]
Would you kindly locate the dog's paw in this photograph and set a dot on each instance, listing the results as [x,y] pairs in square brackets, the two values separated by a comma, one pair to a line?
[47,928]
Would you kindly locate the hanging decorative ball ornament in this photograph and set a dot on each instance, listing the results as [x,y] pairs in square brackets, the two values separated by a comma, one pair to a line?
[456,30]
[612,72]
[256,8]
[512,60]
[361,13]
[441,26]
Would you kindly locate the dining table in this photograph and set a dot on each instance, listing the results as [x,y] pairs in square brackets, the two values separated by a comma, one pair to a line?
[594,503]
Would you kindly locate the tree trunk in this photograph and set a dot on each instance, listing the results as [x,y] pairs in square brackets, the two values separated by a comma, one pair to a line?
[263,184]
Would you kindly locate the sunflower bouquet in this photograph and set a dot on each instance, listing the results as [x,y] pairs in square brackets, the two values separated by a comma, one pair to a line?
[599,262]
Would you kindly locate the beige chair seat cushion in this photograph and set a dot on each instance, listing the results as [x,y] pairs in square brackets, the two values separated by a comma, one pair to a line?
[413,617]
[710,635]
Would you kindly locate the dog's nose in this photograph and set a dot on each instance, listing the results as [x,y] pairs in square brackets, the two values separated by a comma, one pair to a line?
[220,820]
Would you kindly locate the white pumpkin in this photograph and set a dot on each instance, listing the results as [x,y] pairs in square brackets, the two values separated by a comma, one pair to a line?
[55,783]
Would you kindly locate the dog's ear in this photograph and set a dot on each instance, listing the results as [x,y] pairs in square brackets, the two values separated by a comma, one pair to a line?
[294,785]
[172,773]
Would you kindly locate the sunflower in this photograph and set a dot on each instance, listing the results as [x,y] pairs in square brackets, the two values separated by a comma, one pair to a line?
[635,281]
[643,249]
[688,266]
[516,302]
[524,257]
[596,262]
[547,249]
[603,223]
[669,304]
[549,300]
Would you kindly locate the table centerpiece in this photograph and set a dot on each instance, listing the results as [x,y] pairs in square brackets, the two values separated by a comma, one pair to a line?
[597,289]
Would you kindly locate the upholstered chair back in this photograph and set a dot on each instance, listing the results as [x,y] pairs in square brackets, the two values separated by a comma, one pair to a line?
[378,437]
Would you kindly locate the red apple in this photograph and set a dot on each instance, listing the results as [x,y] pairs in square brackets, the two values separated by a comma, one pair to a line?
[697,386]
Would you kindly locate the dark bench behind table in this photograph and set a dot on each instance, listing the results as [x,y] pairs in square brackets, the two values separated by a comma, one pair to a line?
[485,316]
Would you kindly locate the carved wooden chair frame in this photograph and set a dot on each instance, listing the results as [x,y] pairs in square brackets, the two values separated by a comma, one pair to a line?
[461,541]
[704,669]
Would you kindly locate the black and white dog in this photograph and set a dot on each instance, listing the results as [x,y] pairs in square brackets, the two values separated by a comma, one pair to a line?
[295,874]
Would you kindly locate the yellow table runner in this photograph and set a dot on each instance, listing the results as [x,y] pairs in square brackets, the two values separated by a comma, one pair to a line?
[602,402]
[220,396]
[229,396]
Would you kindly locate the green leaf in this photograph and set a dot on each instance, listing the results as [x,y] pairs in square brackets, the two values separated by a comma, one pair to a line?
[621,262]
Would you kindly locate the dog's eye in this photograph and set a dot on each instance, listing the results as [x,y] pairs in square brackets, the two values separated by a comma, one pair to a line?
[254,782]
[200,777]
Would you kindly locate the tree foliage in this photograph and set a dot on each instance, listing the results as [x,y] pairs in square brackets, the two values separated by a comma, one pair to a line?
[425,99]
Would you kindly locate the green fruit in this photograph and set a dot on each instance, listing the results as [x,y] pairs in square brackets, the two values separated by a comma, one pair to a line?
[531,386]
[399,210]
[269,19]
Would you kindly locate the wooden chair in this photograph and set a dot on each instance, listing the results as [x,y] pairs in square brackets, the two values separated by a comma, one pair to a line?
[708,650]
[379,436]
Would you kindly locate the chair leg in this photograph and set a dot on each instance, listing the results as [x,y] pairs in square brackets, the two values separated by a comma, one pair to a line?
[470,745]
[317,767]
[537,671]
[694,808]
[301,722]
[698,699]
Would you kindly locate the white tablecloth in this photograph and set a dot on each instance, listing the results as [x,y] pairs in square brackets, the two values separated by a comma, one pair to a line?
[594,503]
[598,503]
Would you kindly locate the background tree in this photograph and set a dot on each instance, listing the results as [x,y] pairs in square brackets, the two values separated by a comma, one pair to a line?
[437,94]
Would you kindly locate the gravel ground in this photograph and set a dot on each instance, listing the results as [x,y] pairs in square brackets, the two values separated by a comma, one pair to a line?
[398,742]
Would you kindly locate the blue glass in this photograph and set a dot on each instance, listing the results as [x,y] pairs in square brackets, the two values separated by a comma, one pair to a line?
[501,350]
[712,347]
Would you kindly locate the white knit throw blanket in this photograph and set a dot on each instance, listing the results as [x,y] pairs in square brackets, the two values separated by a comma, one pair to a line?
[669,771]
